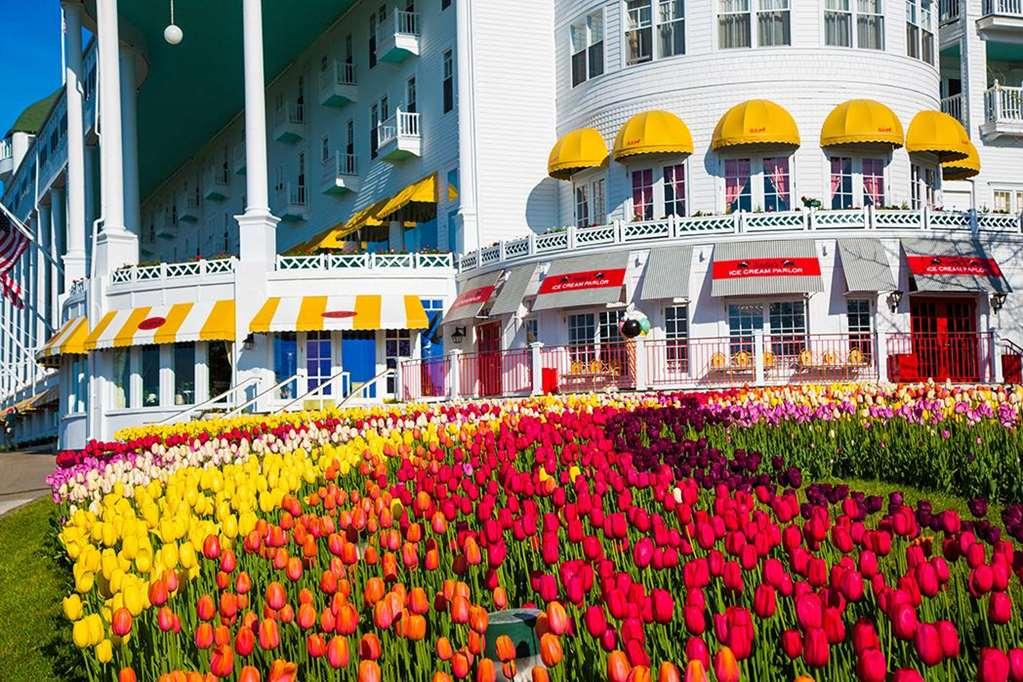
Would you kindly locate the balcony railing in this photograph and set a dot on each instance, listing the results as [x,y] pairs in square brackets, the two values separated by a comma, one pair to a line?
[400,40]
[165,271]
[6,152]
[950,11]
[289,121]
[1012,8]
[339,173]
[217,181]
[675,228]
[365,261]
[954,106]
[338,84]
[964,357]
[402,124]
[1002,103]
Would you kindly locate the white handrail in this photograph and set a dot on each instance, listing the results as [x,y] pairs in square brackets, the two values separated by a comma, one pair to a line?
[315,390]
[211,401]
[244,406]
[386,374]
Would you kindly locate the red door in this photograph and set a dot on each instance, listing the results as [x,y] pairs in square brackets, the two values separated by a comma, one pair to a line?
[488,350]
[945,341]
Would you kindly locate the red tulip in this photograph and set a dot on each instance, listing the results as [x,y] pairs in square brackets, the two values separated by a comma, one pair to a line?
[222,661]
[120,625]
[211,547]
[816,649]
[871,666]
[764,601]
[792,643]
[1016,665]
[993,666]
[928,644]
[999,608]
[276,597]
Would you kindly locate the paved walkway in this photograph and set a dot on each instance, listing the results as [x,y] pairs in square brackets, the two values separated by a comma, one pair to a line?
[23,477]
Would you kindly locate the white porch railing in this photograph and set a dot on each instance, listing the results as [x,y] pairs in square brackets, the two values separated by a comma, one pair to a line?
[675,228]
[339,73]
[954,106]
[289,112]
[164,271]
[6,152]
[950,11]
[401,125]
[365,261]
[1012,8]
[1003,104]
[338,165]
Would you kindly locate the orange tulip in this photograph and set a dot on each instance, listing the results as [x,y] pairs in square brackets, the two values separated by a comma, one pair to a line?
[695,672]
[460,610]
[249,674]
[541,675]
[337,652]
[804,678]
[617,666]
[475,643]
[505,648]
[509,670]
[369,647]
[415,628]
[550,650]
[557,618]
[486,671]
[500,597]
[440,676]
[640,673]
[222,661]
[418,602]
[725,666]
[478,619]
[269,635]
[127,675]
[444,649]
[283,671]
[668,672]
[460,664]
[369,671]
[121,623]
[374,590]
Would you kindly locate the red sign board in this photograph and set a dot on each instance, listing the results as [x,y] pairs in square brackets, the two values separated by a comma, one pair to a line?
[954,266]
[766,267]
[581,281]
[338,314]
[151,323]
[476,296]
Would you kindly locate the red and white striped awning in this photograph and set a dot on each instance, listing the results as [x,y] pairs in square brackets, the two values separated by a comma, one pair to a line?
[157,325]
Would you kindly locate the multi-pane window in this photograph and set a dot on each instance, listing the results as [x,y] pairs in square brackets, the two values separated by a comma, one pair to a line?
[150,361]
[860,326]
[841,182]
[590,206]
[411,105]
[285,348]
[738,195]
[675,190]
[743,321]
[532,326]
[1008,201]
[776,184]
[734,24]
[587,37]
[788,328]
[639,31]
[374,132]
[319,361]
[920,29]
[774,23]
[868,17]
[78,386]
[671,28]
[397,347]
[448,84]
[923,186]
[372,40]
[676,334]
[582,333]
[873,182]
[643,194]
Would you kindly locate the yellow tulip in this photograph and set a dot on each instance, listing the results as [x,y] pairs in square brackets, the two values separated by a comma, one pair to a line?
[72,607]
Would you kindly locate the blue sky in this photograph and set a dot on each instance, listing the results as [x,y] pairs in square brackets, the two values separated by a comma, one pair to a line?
[29,54]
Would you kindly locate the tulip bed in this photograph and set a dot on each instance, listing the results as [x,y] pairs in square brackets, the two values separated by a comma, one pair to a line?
[658,537]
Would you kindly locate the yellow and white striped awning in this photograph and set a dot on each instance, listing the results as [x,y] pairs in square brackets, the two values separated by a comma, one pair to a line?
[157,325]
[68,340]
[332,313]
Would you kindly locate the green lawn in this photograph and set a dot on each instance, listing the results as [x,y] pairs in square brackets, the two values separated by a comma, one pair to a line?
[34,637]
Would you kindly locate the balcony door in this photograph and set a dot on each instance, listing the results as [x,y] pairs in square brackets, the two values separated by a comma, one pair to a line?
[488,346]
[945,341]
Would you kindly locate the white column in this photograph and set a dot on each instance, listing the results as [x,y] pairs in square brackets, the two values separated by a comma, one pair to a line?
[115,246]
[58,225]
[37,295]
[74,255]
[257,228]
[469,224]
[129,123]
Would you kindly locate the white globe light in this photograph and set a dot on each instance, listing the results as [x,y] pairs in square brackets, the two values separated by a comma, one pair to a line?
[173,34]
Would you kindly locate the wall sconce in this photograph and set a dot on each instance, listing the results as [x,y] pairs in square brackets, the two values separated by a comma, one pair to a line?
[894,299]
[458,335]
[997,301]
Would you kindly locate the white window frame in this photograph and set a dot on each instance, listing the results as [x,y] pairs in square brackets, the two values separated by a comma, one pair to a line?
[592,35]
[660,211]
[757,178]
[657,10]
[856,12]
[593,187]
[1015,203]
[921,192]
[752,9]
[632,22]
[920,14]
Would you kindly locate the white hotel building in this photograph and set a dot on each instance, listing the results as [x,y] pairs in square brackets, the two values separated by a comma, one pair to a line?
[278,205]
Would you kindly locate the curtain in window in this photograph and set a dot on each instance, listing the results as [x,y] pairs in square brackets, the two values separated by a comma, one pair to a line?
[737,176]
[837,23]
[773,23]
[778,172]
[734,23]
[870,24]
[873,181]
[643,195]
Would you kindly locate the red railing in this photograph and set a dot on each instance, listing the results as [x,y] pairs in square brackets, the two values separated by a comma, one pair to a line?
[962,357]
[424,378]
[819,358]
[495,373]
[588,367]
[699,362]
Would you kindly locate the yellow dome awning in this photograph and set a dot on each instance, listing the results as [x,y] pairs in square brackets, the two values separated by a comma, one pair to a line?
[938,133]
[755,121]
[422,192]
[862,121]
[963,169]
[578,150]
[653,132]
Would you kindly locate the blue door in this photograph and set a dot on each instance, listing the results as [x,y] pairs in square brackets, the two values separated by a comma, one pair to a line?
[359,357]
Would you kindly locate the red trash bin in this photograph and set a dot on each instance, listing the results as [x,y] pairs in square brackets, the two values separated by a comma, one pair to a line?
[1012,369]
[549,379]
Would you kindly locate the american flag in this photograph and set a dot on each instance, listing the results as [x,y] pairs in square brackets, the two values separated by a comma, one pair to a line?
[11,290]
[13,240]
